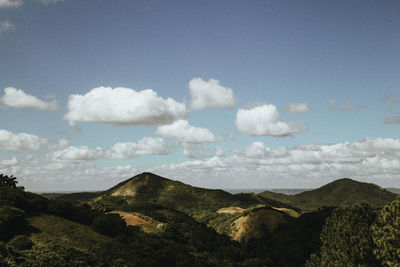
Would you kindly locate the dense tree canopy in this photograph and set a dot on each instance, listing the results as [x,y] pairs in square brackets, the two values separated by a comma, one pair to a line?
[386,234]
[346,237]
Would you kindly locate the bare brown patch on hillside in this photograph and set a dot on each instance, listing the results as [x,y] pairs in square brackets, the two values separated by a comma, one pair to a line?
[131,219]
[231,210]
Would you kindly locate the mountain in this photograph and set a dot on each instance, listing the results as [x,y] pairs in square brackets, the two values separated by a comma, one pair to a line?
[342,192]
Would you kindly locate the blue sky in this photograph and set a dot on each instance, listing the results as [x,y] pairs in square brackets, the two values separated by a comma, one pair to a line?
[268,54]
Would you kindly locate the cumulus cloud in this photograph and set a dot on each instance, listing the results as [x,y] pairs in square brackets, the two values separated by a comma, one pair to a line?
[183,132]
[126,150]
[297,107]
[82,153]
[20,141]
[17,98]
[265,121]
[6,26]
[10,3]
[210,94]
[123,106]
[392,120]
[145,146]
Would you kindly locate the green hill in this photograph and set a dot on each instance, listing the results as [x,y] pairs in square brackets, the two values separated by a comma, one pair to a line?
[151,188]
[342,192]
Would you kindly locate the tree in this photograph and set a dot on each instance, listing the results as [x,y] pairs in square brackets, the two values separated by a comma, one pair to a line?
[346,237]
[8,180]
[386,234]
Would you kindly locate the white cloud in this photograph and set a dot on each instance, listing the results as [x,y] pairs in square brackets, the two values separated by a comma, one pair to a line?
[82,153]
[265,121]
[10,3]
[126,150]
[46,2]
[372,160]
[219,151]
[8,162]
[210,94]
[17,98]
[145,146]
[183,132]
[20,141]
[257,165]
[59,144]
[297,107]
[6,26]
[123,106]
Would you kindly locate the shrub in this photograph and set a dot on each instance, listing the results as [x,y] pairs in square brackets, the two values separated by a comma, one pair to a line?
[109,224]
[20,242]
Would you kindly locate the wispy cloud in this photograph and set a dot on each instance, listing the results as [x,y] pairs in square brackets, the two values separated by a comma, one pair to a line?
[6,26]
[392,120]
[10,3]
[297,107]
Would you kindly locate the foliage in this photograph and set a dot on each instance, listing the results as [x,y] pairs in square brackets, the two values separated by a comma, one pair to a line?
[109,224]
[10,181]
[11,221]
[386,234]
[20,242]
[292,243]
[346,238]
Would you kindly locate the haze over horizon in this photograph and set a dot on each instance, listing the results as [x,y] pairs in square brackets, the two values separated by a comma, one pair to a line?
[217,94]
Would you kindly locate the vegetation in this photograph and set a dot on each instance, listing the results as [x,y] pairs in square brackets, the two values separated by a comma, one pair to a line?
[223,230]
[8,180]
[386,234]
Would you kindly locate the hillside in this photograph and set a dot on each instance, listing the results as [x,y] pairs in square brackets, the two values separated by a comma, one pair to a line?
[342,192]
[151,188]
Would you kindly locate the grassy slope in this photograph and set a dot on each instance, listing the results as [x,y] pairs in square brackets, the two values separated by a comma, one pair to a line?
[151,188]
[342,192]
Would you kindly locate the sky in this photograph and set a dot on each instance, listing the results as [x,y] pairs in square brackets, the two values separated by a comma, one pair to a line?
[217,94]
